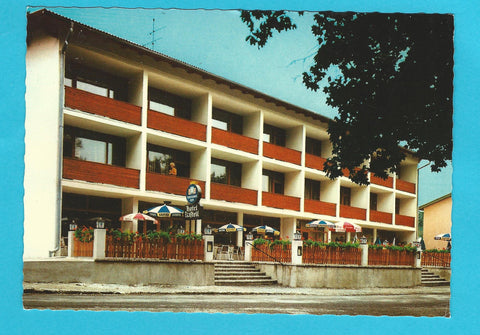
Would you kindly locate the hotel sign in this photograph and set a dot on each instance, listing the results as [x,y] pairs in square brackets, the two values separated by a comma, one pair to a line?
[193,208]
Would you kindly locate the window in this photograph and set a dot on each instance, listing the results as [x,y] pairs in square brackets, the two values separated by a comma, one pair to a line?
[373,201]
[227,121]
[167,103]
[312,189]
[224,172]
[313,147]
[273,182]
[397,206]
[93,147]
[274,135]
[95,81]
[345,195]
[159,159]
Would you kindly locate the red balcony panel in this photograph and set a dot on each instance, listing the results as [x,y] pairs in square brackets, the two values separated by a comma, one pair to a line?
[100,173]
[404,220]
[97,104]
[233,194]
[234,141]
[379,181]
[383,217]
[314,162]
[353,212]
[320,207]
[176,125]
[280,201]
[281,153]
[170,184]
[405,186]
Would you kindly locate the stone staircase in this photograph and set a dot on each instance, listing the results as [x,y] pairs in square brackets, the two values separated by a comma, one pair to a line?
[430,279]
[240,274]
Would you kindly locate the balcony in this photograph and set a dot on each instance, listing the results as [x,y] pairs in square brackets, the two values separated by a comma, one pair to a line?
[280,201]
[281,153]
[314,162]
[99,105]
[234,141]
[403,220]
[405,186]
[353,212]
[379,181]
[169,184]
[175,125]
[233,194]
[376,216]
[320,207]
[100,173]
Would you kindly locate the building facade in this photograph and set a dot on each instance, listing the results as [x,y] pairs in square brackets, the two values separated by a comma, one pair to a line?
[106,117]
[437,219]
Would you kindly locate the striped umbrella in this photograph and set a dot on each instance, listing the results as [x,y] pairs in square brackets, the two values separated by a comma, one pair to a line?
[443,237]
[164,211]
[137,216]
[265,230]
[347,227]
[320,224]
[230,228]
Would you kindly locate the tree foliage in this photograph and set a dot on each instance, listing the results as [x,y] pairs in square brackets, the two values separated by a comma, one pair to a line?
[394,91]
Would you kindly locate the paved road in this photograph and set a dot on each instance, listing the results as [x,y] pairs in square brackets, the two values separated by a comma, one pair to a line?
[392,305]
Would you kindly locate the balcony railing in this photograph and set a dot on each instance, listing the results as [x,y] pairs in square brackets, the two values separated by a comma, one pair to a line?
[383,217]
[353,212]
[175,125]
[320,207]
[404,220]
[169,184]
[97,104]
[281,153]
[405,186]
[234,141]
[100,173]
[314,162]
[382,182]
[233,194]
[280,201]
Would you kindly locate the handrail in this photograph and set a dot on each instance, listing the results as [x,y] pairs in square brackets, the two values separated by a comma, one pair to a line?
[265,253]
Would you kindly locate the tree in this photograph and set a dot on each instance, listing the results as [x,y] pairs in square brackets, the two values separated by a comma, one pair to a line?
[394,91]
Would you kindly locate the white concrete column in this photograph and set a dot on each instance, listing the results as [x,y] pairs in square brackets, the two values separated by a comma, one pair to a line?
[374,235]
[364,259]
[208,247]
[198,226]
[99,236]
[329,236]
[297,252]
[418,257]
[248,250]
[348,237]
[70,242]
[240,233]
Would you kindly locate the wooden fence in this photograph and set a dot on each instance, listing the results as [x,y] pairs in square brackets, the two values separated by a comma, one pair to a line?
[82,249]
[438,259]
[281,253]
[391,257]
[179,249]
[331,255]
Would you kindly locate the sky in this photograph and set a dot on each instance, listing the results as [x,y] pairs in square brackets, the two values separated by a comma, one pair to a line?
[214,40]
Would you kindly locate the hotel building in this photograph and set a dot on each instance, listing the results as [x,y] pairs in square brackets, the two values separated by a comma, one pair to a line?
[105,117]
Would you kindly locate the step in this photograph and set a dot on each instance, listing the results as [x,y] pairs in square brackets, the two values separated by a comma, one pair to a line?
[226,282]
[230,275]
[436,283]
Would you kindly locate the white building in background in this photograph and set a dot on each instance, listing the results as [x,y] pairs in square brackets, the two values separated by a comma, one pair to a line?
[105,117]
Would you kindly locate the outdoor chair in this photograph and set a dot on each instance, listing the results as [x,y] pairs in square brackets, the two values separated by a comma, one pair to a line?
[223,253]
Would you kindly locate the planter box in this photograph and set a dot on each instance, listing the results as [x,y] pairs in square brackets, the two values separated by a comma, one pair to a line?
[279,253]
[82,249]
[391,257]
